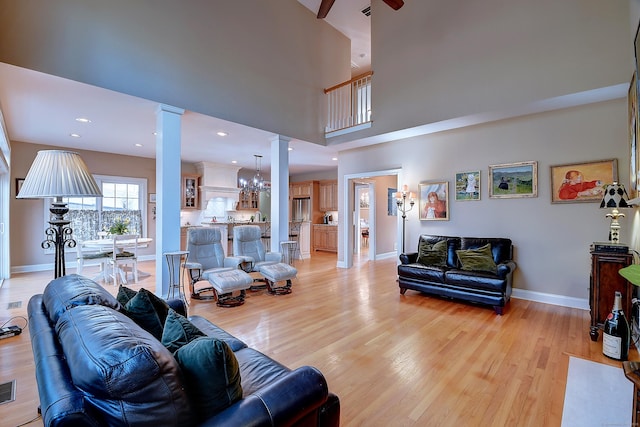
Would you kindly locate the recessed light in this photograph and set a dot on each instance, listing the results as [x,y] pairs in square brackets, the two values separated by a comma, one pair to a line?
[83,120]
[74,135]
[138,145]
[290,149]
[234,161]
[222,133]
[334,158]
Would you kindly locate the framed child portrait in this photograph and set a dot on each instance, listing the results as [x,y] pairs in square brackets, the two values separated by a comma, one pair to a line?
[467,186]
[582,182]
[434,201]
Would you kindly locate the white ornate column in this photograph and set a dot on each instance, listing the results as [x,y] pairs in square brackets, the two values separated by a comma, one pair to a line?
[279,191]
[168,170]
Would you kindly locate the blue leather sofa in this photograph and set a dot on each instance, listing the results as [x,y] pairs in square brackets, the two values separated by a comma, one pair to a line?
[96,367]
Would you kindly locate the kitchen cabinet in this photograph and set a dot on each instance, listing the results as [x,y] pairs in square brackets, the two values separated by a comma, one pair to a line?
[325,238]
[248,200]
[301,189]
[190,192]
[328,195]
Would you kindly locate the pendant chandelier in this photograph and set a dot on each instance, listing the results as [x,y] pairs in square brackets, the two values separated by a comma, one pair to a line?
[257,183]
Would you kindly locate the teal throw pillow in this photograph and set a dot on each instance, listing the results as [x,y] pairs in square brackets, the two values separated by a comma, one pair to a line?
[433,254]
[178,331]
[148,311]
[212,375]
[480,259]
[125,294]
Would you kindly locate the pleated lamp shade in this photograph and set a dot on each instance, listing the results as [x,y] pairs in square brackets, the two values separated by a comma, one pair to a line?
[57,173]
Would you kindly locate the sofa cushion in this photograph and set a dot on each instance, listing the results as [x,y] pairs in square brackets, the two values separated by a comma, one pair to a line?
[127,375]
[73,290]
[148,311]
[501,248]
[480,259]
[212,375]
[178,331]
[433,254]
[212,330]
[419,272]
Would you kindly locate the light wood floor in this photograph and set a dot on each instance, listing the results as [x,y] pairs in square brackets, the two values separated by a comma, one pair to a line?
[393,360]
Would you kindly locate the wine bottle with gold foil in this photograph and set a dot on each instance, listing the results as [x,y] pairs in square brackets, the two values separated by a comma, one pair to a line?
[616,336]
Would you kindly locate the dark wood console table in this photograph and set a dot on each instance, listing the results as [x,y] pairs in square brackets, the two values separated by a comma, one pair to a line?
[605,281]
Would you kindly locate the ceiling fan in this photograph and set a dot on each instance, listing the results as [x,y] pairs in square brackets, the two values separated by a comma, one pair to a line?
[325,6]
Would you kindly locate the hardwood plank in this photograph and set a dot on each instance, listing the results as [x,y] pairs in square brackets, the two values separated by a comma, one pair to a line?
[394,360]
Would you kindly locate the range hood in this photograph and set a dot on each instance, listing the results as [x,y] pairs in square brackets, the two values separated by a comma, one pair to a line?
[218,183]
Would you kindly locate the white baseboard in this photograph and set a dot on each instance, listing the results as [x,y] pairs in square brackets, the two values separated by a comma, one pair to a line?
[32,268]
[565,301]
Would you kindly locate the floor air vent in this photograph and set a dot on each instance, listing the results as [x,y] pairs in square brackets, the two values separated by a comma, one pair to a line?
[15,304]
[8,392]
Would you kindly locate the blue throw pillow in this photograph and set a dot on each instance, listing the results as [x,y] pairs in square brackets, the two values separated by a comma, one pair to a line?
[212,375]
[148,311]
[178,331]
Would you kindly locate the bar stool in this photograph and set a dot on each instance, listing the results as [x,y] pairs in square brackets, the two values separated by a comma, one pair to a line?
[176,260]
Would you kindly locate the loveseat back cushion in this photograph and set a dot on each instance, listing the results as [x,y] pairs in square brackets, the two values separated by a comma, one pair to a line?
[501,248]
[125,373]
[453,244]
[73,290]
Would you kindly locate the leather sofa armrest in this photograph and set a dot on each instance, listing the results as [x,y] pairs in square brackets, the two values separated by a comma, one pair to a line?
[505,268]
[283,402]
[409,257]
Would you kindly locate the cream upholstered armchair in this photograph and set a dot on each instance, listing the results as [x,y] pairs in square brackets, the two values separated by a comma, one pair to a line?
[206,255]
[247,244]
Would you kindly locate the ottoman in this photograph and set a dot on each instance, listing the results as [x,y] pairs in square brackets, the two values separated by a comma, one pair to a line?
[279,272]
[226,282]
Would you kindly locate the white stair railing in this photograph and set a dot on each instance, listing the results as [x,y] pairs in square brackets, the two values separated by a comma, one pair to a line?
[349,103]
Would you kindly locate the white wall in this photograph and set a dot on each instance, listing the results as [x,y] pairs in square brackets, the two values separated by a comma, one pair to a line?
[551,240]
[435,60]
[259,63]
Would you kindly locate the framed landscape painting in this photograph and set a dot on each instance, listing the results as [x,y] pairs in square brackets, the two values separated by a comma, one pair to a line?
[468,186]
[513,180]
[433,201]
[582,182]
[634,176]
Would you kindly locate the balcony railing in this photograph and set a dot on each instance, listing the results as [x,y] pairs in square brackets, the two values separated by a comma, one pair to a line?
[349,103]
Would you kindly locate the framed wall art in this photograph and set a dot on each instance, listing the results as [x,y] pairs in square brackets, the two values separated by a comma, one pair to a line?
[513,180]
[433,201]
[582,182]
[19,182]
[467,186]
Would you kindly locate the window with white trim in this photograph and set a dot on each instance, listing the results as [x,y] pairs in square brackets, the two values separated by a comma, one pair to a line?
[123,200]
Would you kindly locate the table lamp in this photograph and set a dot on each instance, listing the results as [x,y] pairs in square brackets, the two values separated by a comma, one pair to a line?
[58,174]
[615,196]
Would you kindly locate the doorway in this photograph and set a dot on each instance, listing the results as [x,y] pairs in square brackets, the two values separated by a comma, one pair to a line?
[365,225]
[350,234]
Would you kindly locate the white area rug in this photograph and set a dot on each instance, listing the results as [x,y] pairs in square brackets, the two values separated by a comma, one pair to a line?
[596,395]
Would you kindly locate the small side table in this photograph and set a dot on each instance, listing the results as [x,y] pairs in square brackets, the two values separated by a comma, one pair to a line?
[175,260]
[289,251]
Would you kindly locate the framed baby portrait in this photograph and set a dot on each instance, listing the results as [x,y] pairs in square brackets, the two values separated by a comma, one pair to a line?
[433,201]
[513,180]
[582,182]
[467,186]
